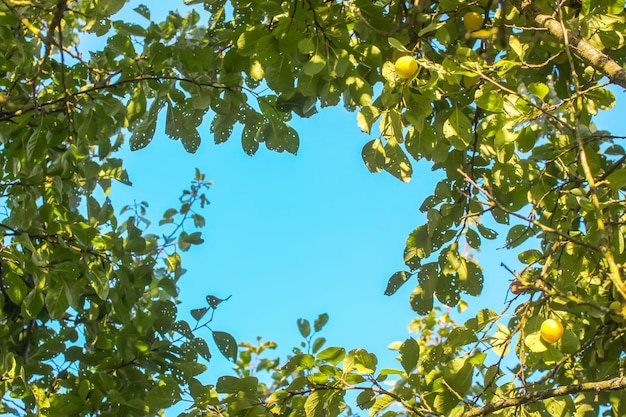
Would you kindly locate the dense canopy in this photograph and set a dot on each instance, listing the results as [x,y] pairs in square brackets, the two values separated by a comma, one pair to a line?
[499,96]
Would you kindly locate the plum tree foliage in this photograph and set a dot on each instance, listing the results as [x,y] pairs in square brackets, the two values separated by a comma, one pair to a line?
[88,299]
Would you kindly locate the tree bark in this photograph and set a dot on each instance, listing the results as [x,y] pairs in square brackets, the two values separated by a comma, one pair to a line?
[594,57]
[614,384]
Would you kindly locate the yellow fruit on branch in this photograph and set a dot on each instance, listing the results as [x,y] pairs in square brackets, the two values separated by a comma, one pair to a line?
[472,21]
[406,66]
[551,330]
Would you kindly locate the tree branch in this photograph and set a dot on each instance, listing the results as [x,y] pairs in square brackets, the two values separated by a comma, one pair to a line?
[608,385]
[598,60]
[493,203]
[114,84]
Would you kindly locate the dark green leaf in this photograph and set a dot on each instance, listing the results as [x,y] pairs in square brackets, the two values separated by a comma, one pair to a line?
[304,327]
[143,11]
[409,355]
[397,163]
[317,344]
[234,385]
[396,281]
[215,301]
[226,344]
[320,322]
[199,313]
[374,155]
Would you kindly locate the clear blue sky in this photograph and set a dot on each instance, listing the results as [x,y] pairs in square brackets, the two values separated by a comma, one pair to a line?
[295,236]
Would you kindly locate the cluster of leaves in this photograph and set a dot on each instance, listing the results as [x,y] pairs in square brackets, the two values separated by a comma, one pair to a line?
[505,112]
[442,371]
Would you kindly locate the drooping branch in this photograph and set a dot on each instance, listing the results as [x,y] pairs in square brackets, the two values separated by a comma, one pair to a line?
[87,90]
[598,60]
[55,25]
[492,202]
[614,384]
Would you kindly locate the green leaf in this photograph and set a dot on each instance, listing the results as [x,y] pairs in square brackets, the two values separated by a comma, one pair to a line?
[366,117]
[373,154]
[501,340]
[173,262]
[364,361]
[418,246]
[317,344]
[144,131]
[526,139]
[199,313]
[333,355]
[180,124]
[457,128]
[279,137]
[472,238]
[226,345]
[201,347]
[529,256]
[137,105]
[315,65]
[570,343]
[472,283]
[409,355]
[233,385]
[381,403]
[489,98]
[161,397]
[396,281]
[396,44]
[444,402]
[300,362]
[109,7]
[391,125]
[517,235]
[560,407]
[304,327]
[56,301]
[15,288]
[33,303]
[314,406]
[215,301]
[486,232]
[539,90]
[320,322]
[603,98]
[143,11]
[421,300]
[617,179]
[397,163]
[365,399]
[458,375]
[100,282]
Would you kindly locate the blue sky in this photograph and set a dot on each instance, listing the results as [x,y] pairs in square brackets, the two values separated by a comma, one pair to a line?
[295,236]
[291,236]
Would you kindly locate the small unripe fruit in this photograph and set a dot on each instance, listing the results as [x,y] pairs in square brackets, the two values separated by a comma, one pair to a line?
[619,311]
[472,21]
[470,81]
[406,67]
[551,330]
[561,58]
